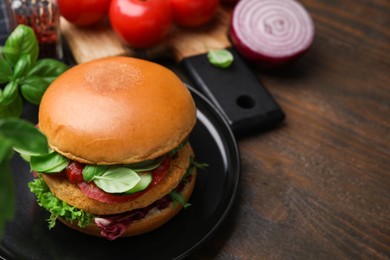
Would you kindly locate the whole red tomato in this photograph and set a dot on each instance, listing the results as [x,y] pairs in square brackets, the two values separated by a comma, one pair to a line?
[141,23]
[193,13]
[84,12]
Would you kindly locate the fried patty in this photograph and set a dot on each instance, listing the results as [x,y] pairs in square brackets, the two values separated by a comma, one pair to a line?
[71,193]
[154,219]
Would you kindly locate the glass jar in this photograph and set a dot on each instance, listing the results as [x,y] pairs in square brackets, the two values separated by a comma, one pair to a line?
[43,16]
[6,21]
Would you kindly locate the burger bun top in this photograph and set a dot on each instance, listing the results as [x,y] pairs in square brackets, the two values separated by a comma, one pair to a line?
[116,110]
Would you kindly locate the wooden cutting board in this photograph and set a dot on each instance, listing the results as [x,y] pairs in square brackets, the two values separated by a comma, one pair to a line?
[100,41]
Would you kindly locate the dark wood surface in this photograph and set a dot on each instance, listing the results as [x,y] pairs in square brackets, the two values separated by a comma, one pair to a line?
[318,185]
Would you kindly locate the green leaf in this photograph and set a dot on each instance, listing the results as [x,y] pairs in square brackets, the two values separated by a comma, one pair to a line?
[22,66]
[21,41]
[178,198]
[5,71]
[25,137]
[117,180]
[194,165]
[48,69]
[49,163]
[7,193]
[39,78]
[12,109]
[90,171]
[11,104]
[33,88]
[10,93]
[198,165]
[58,208]
[26,157]
[145,165]
[220,58]
[178,148]
[5,149]
[146,179]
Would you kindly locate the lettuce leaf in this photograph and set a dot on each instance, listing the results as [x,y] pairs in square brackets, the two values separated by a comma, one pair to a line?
[58,208]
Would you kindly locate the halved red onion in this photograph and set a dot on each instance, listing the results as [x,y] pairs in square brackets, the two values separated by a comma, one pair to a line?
[271,33]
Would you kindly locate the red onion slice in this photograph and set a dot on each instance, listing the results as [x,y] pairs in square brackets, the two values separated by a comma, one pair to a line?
[271,33]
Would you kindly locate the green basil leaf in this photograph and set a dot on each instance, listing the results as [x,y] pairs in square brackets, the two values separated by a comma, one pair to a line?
[194,165]
[117,180]
[48,69]
[5,71]
[11,104]
[24,136]
[10,93]
[178,198]
[21,41]
[13,109]
[146,179]
[90,171]
[145,165]
[50,163]
[39,78]
[5,149]
[178,148]
[7,192]
[33,88]
[25,156]
[198,165]
[22,66]
[220,58]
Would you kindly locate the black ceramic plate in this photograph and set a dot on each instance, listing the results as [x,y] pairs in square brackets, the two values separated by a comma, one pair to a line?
[28,237]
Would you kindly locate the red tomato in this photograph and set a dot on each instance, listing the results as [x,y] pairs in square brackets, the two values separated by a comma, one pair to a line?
[84,12]
[193,13]
[141,23]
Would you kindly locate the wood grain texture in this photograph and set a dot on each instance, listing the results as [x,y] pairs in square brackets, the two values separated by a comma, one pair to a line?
[100,41]
[318,186]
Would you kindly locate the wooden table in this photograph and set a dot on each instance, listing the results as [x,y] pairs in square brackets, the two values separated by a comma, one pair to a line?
[318,186]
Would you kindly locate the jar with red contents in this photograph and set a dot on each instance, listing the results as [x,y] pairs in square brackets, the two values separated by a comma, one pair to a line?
[43,17]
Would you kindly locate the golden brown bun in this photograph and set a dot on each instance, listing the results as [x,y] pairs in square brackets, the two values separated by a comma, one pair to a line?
[154,219]
[116,110]
[71,193]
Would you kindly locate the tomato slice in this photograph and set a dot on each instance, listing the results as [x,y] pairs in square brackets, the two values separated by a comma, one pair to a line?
[94,192]
[160,172]
[74,171]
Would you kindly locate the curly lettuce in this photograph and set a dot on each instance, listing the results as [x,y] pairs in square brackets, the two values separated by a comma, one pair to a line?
[58,208]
